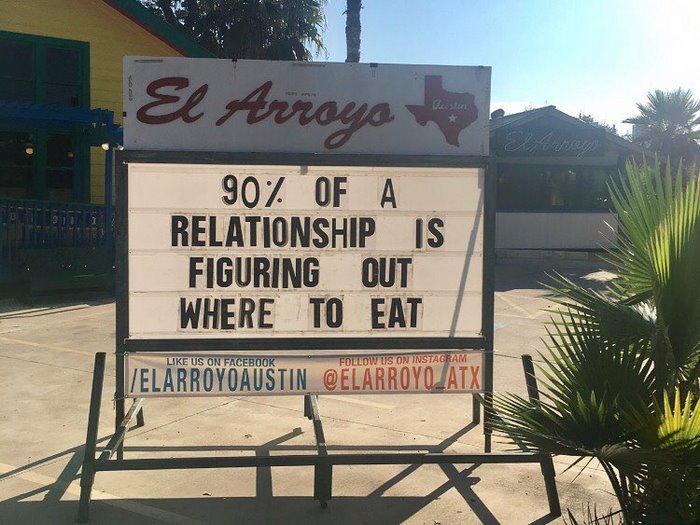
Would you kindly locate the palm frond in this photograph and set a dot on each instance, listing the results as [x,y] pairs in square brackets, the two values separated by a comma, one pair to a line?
[585,383]
[669,482]
[610,315]
[657,257]
[675,255]
[591,517]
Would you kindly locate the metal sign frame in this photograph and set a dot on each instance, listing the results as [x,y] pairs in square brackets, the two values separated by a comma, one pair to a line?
[483,342]
[323,462]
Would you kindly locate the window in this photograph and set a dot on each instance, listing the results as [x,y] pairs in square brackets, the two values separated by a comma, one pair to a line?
[553,188]
[43,162]
[16,164]
[63,77]
[43,70]
[60,161]
[17,71]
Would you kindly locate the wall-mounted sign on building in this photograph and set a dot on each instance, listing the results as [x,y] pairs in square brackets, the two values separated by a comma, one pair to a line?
[550,137]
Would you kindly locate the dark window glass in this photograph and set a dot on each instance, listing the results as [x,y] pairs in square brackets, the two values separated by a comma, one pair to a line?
[553,188]
[16,71]
[60,167]
[17,90]
[16,164]
[62,94]
[63,65]
[16,60]
[63,77]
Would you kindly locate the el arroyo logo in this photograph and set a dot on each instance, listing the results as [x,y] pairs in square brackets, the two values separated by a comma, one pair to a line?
[452,112]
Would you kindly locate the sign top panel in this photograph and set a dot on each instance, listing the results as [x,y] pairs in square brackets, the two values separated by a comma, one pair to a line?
[189,104]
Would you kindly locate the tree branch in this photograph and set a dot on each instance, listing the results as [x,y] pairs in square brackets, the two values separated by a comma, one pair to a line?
[192,13]
[168,13]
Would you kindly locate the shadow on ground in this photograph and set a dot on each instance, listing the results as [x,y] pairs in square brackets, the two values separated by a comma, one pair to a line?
[375,508]
[13,308]
[290,510]
[531,275]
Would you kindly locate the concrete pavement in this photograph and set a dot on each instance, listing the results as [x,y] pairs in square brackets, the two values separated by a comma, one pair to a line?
[46,356]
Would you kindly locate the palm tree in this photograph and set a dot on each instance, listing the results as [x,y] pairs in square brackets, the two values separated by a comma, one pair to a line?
[353,29]
[622,368]
[668,124]
[261,29]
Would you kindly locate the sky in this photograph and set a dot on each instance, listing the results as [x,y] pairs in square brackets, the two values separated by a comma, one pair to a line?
[598,57]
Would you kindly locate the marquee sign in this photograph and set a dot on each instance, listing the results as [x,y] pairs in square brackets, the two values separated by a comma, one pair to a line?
[271,251]
[305,229]
[292,107]
[239,234]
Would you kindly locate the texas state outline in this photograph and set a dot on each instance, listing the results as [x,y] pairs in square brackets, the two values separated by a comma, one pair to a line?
[450,111]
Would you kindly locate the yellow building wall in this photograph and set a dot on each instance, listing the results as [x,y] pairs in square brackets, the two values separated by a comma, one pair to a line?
[111,36]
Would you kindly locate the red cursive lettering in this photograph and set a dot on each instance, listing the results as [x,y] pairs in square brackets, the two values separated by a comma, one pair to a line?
[255,103]
[183,112]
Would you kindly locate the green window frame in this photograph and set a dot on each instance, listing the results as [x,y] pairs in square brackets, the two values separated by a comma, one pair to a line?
[40,46]
[47,88]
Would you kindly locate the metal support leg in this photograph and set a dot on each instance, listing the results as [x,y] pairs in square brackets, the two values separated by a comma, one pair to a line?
[546,465]
[323,474]
[533,393]
[476,409]
[118,418]
[117,440]
[87,474]
[488,412]
[550,485]
[323,481]
[307,406]
[139,418]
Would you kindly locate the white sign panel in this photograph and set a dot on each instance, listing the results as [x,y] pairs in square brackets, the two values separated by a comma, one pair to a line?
[156,374]
[305,107]
[244,251]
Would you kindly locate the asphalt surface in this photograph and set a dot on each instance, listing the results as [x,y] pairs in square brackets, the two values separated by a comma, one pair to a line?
[46,358]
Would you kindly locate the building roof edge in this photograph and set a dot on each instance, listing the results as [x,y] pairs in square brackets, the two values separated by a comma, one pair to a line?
[159,28]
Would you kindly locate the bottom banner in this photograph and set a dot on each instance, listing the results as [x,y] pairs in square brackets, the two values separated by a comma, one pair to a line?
[160,374]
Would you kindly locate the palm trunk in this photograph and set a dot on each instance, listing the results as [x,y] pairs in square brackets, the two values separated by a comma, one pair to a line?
[353,29]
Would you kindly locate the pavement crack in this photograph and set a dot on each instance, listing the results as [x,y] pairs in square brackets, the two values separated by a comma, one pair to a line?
[185,417]
[52,365]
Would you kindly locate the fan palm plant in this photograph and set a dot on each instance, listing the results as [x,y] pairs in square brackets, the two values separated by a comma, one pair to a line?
[669,124]
[622,368]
